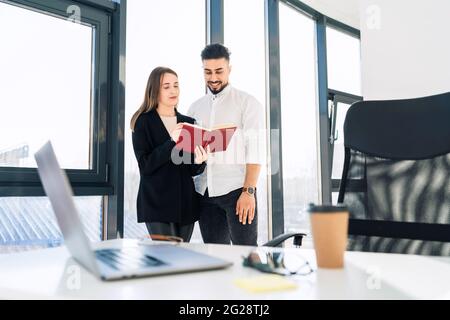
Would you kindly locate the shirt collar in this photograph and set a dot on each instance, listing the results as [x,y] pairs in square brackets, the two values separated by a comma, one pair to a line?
[221,93]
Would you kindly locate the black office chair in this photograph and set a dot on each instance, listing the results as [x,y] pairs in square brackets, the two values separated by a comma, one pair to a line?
[278,240]
[396,177]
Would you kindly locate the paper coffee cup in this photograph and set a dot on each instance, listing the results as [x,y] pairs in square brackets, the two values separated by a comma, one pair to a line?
[329,225]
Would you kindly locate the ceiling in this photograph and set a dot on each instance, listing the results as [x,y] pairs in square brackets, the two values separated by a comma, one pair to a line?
[346,11]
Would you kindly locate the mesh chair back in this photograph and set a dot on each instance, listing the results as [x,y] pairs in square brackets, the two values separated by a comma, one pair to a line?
[396,177]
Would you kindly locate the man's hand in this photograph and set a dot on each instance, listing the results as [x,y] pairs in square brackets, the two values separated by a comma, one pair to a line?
[245,208]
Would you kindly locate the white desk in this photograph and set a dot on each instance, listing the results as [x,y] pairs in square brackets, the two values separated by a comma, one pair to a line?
[48,274]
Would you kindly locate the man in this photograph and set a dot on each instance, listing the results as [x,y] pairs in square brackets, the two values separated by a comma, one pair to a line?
[228,208]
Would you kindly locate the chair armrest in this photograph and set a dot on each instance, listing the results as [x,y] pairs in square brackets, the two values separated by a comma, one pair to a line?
[275,242]
[161,237]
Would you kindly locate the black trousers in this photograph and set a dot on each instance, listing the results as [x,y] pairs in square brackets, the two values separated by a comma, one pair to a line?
[220,224]
[171,229]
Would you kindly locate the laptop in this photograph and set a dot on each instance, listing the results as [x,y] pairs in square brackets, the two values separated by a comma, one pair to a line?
[111,263]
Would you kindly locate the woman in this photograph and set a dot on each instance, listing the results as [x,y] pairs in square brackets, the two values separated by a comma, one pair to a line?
[167,201]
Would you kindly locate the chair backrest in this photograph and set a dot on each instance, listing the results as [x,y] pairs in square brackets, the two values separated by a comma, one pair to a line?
[396,177]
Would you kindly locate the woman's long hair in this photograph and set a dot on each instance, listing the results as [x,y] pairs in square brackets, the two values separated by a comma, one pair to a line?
[151,92]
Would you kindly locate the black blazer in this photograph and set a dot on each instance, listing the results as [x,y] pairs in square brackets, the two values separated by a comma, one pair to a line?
[166,190]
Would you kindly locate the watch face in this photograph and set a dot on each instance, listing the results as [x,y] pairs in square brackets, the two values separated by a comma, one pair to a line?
[251,190]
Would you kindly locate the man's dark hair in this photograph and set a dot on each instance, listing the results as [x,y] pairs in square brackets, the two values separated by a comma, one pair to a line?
[215,51]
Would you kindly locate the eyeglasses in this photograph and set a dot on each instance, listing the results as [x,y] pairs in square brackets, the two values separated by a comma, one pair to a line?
[282,263]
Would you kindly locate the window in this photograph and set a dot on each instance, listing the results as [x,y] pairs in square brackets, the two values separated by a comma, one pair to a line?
[343,62]
[42,48]
[29,222]
[344,83]
[55,75]
[159,34]
[338,152]
[244,30]
[52,66]
[298,114]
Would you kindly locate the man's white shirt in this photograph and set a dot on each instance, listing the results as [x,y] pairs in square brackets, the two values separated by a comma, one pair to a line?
[225,171]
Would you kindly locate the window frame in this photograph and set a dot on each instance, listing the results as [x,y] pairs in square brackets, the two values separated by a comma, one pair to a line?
[17,181]
[335,97]
[107,177]
[324,119]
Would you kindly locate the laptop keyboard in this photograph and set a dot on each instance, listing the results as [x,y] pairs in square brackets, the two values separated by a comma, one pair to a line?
[127,259]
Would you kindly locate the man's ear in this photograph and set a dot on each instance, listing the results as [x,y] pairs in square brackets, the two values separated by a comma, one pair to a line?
[229,68]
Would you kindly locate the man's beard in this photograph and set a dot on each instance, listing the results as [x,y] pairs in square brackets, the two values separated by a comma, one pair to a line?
[216,91]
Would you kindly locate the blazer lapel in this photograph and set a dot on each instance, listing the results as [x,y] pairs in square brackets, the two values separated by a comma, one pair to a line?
[159,128]
[179,116]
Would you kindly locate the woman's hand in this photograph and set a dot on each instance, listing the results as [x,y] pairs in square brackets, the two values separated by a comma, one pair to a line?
[200,154]
[175,134]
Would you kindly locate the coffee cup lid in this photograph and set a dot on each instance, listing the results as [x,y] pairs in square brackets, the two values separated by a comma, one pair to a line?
[327,208]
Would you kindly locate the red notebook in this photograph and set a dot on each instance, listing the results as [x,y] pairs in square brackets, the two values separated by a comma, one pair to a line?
[217,137]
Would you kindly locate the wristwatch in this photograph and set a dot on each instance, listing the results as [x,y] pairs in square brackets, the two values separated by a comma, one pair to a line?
[249,190]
